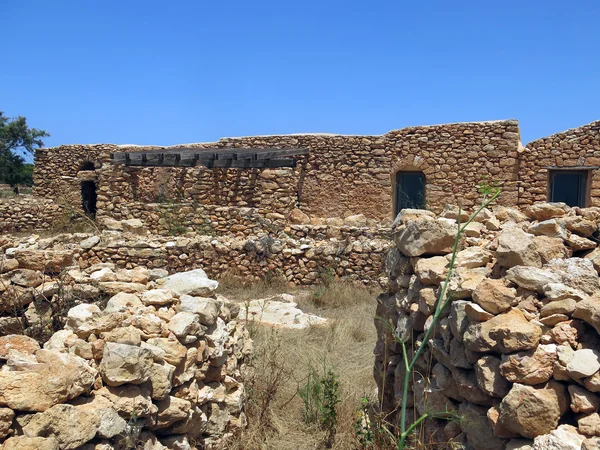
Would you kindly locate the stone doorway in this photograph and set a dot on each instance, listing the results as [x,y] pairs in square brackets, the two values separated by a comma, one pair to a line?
[409,191]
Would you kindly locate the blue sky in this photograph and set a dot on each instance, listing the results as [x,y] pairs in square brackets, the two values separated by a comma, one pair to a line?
[158,72]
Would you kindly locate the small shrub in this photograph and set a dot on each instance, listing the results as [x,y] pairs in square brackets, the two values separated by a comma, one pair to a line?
[320,397]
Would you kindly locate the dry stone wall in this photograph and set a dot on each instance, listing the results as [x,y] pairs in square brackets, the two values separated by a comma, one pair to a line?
[578,147]
[29,213]
[142,357]
[516,354]
[342,175]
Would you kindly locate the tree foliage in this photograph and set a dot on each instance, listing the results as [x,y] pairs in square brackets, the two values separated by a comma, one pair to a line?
[16,140]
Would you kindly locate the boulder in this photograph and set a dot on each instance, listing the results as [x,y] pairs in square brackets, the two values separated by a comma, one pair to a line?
[30,443]
[157,297]
[425,237]
[577,273]
[584,363]
[565,437]
[530,367]
[26,278]
[517,248]
[588,310]
[297,217]
[123,363]
[489,377]
[194,283]
[477,428]
[550,228]
[123,302]
[55,378]
[103,275]
[186,325]
[473,257]
[532,278]
[47,261]
[545,211]
[580,225]
[494,296]
[89,243]
[432,270]
[533,410]
[129,400]
[205,308]
[356,220]
[72,426]
[6,418]
[582,400]
[589,424]
[17,342]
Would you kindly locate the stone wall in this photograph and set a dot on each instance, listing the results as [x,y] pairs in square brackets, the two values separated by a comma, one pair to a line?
[516,353]
[142,358]
[342,175]
[29,213]
[578,147]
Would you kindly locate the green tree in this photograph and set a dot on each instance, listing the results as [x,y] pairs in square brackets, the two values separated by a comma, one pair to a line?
[17,139]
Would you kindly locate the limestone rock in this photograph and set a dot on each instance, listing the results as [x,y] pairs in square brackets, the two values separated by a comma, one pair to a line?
[589,424]
[297,217]
[123,363]
[550,228]
[161,379]
[30,443]
[545,211]
[194,283]
[531,367]
[532,278]
[26,277]
[17,342]
[171,410]
[90,242]
[582,400]
[174,352]
[129,399]
[517,248]
[425,237]
[70,425]
[473,257]
[185,325]
[477,428]
[565,437]
[494,296]
[47,261]
[55,378]
[584,363]
[6,417]
[489,377]
[206,309]
[157,297]
[578,273]
[533,410]
[432,270]
[588,310]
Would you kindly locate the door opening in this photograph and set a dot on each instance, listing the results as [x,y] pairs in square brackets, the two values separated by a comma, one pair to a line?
[410,191]
[569,186]
[89,197]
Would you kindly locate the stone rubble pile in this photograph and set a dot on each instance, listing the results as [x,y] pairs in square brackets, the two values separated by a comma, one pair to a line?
[158,366]
[516,355]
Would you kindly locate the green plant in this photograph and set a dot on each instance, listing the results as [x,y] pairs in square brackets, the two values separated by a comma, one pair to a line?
[490,193]
[320,396]
[362,426]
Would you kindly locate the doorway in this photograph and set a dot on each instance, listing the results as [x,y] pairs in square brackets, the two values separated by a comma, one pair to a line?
[569,186]
[89,197]
[410,191]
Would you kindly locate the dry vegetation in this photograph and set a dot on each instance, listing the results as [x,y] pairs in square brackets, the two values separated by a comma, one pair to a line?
[283,358]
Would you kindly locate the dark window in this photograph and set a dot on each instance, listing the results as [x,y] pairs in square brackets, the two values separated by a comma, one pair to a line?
[410,190]
[569,186]
[89,196]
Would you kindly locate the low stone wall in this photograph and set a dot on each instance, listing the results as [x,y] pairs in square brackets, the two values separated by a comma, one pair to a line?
[161,363]
[29,213]
[302,262]
[516,354]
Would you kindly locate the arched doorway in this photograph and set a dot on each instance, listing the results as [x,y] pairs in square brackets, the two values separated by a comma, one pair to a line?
[88,189]
[409,190]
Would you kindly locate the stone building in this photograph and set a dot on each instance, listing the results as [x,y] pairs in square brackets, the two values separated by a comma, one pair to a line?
[327,175]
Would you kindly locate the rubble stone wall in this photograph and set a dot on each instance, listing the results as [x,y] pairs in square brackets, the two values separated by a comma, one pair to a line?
[516,353]
[29,213]
[342,175]
[578,147]
[161,362]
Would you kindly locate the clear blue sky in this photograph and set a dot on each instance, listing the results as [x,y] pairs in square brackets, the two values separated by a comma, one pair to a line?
[159,72]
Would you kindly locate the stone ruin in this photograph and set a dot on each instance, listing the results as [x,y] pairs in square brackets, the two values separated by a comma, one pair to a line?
[516,355]
[145,360]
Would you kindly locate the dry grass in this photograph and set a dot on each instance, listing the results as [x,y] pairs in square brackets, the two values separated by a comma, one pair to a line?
[283,357]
